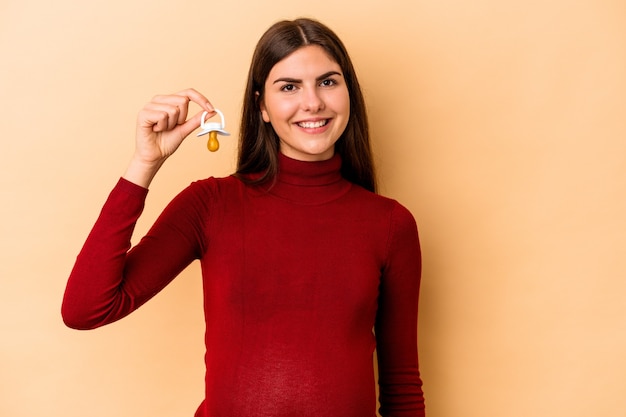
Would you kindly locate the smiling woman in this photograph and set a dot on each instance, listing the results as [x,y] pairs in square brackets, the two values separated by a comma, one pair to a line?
[307,102]
[300,258]
[283,45]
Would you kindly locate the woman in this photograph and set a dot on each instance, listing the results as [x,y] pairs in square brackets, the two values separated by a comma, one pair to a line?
[305,269]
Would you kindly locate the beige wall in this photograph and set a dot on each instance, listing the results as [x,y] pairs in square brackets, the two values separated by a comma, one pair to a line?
[500,124]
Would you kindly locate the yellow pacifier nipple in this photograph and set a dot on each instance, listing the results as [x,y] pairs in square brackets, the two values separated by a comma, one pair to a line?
[213,144]
[213,129]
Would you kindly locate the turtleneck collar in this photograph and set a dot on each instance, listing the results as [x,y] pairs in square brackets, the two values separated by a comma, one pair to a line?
[305,182]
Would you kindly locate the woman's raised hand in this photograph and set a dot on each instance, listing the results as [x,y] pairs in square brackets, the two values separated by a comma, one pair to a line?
[162,125]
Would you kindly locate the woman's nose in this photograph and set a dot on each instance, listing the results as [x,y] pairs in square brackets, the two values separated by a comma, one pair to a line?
[311,100]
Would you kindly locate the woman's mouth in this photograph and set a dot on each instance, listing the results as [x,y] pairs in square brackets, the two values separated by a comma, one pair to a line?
[313,125]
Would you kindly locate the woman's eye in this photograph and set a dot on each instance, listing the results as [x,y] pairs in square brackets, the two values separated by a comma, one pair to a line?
[328,82]
[288,87]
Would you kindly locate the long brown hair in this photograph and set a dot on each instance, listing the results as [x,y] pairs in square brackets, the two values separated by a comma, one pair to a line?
[258,142]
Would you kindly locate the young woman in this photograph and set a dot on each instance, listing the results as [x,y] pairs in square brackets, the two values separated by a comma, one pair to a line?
[305,269]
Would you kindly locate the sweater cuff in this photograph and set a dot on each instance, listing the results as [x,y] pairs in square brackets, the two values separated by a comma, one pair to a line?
[125,199]
[131,188]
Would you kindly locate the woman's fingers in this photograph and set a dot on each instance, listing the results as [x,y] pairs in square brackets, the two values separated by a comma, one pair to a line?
[198,98]
[175,108]
[164,117]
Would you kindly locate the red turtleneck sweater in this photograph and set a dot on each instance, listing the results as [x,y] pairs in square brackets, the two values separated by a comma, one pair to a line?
[301,283]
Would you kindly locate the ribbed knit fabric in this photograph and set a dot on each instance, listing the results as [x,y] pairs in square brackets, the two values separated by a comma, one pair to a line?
[302,280]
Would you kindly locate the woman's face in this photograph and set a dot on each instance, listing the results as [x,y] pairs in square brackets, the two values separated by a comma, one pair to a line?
[307,102]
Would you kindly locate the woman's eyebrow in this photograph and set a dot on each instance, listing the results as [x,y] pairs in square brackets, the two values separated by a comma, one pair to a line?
[298,81]
[328,74]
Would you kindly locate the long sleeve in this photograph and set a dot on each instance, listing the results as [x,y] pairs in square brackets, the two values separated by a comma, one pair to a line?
[109,279]
[396,323]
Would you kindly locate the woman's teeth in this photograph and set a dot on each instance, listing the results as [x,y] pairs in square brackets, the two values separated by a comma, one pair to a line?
[312,125]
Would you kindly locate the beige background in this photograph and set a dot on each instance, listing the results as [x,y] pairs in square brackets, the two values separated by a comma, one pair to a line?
[499,124]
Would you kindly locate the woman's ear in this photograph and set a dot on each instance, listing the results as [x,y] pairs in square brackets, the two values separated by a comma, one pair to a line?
[261,103]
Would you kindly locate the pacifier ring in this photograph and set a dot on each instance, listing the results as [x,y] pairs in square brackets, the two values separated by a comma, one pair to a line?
[213,129]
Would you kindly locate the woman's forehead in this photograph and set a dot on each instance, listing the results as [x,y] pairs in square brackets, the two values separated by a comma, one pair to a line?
[309,61]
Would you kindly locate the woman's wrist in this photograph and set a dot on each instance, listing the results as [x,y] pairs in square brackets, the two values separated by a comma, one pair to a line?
[141,172]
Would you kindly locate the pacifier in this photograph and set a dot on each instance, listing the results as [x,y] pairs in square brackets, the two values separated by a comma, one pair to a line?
[213,129]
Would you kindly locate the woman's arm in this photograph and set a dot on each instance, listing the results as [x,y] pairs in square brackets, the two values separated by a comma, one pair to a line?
[109,280]
[396,322]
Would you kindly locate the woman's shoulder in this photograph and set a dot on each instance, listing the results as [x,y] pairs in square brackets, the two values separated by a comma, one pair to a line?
[214,185]
[379,201]
[383,207]
[208,191]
